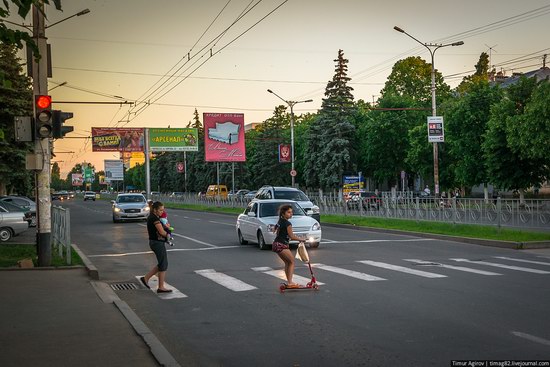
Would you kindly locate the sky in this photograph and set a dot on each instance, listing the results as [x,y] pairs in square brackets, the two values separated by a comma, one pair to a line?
[119,50]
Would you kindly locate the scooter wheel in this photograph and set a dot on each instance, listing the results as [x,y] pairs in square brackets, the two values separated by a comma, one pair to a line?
[282,288]
[316,286]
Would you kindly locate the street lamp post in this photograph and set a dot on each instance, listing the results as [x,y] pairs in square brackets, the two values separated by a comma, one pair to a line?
[291,104]
[432,48]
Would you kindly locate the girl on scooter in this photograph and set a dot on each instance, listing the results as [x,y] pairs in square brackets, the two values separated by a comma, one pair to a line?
[281,243]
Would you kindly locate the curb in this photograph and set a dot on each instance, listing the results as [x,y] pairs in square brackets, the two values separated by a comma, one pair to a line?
[470,240]
[92,270]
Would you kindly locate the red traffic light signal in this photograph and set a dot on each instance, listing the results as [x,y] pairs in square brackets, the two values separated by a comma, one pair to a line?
[43,116]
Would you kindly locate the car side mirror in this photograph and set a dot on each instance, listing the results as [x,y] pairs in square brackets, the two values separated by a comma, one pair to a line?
[112,201]
[252,214]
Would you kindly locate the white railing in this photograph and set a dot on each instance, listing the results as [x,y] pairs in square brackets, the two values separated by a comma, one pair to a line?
[61,232]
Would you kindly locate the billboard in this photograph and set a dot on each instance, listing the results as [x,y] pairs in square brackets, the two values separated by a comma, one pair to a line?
[174,140]
[77,179]
[224,137]
[106,139]
[114,170]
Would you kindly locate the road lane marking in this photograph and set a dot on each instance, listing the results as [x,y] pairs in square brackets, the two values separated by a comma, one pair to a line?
[373,241]
[154,284]
[225,280]
[532,338]
[523,261]
[460,268]
[281,275]
[225,224]
[402,269]
[169,250]
[349,273]
[511,267]
[327,240]
[188,238]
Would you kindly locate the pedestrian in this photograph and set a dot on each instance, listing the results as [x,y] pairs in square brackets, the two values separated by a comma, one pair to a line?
[157,241]
[283,229]
[427,190]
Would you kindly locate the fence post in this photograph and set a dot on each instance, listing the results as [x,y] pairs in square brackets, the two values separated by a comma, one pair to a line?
[68,235]
[499,212]
[417,205]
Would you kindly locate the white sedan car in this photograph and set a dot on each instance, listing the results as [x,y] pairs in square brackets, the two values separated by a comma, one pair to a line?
[256,223]
[130,206]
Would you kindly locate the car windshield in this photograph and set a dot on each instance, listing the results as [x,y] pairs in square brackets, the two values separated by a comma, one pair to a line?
[131,199]
[90,193]
[272,209]
[291,195]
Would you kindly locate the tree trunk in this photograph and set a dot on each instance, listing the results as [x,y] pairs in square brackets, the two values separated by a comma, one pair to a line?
[486,193]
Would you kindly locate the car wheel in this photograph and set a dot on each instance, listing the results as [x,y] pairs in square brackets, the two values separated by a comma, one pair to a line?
[314,245]
[5,234]
[115,220]
[241,238]
[261,241]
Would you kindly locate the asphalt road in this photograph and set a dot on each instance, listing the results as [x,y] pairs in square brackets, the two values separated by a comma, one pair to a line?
[383,311]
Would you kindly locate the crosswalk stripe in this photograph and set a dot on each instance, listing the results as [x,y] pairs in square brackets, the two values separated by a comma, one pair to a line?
[521,260]
[281,275]
[511,267]
[402,269]
[349,273]
[460,268]
[225,280]
[154,284]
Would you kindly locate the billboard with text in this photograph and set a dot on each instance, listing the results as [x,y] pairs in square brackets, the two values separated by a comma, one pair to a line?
[224,137]
[173,140]
[108,139]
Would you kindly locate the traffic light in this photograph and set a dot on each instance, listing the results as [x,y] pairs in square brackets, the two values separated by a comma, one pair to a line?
[43,117]
[59,117]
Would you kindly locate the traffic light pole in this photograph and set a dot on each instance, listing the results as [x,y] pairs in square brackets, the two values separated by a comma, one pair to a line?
[42,145]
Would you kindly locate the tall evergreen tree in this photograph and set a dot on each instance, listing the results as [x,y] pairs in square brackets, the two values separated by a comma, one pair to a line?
[331,143]
[15,100]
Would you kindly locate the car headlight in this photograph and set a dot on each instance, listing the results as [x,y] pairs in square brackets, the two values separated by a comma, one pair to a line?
[117,209]
[315,209]
[316,227]
[146,209]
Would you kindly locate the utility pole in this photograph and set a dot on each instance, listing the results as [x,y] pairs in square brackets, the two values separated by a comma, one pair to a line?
[42,145]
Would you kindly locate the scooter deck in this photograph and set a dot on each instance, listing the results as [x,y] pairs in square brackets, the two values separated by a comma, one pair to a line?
[284,287]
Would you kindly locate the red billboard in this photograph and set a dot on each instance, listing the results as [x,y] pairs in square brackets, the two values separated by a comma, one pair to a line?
[284,153]
[224,137]
[108,139]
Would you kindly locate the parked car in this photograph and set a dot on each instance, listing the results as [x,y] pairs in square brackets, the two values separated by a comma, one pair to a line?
[129,207]
[257,222]
[290,193]
[89,195]
[250,195]
[29,215]
[369,200]
[239,194]
[12,223]
[21,201]
[177,194]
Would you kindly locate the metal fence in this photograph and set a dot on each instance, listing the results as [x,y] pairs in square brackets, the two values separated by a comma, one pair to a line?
[61,232]
[498,212]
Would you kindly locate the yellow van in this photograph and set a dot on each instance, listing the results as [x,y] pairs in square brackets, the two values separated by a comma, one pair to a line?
[217,191]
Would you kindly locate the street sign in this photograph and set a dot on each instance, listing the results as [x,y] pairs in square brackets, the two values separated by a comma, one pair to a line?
[293,173]
[180,167]
[436,133]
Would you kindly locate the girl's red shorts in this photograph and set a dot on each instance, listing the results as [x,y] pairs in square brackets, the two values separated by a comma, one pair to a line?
[278,247]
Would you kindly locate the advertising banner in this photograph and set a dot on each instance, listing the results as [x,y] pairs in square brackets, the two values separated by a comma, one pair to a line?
[106,139]
[174,140]
[88,174]
[284,153]
[77,179]
[436,133]
[114,170]
[224,137]
[352,183]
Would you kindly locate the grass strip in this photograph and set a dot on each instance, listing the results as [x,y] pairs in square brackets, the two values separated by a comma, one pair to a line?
[10,254]
[449,229]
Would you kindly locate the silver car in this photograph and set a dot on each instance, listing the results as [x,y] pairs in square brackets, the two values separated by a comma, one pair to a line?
[11,224]
[130,207]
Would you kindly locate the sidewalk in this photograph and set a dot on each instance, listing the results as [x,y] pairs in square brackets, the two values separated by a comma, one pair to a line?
[56,318]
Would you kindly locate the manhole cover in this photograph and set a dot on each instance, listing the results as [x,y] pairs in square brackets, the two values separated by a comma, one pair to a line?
[124,286]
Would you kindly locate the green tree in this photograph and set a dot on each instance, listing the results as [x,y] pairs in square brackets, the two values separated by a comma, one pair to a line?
[15,100]
[332,140]
[508,166]
[466,123]
[481,74]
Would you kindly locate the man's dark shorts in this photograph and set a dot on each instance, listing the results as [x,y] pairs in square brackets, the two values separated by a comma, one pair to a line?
[159,248]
